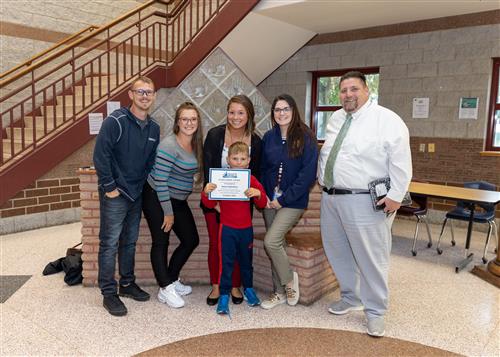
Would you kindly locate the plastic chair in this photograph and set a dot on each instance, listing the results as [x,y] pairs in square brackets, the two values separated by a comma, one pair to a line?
[420,212]
[462,213]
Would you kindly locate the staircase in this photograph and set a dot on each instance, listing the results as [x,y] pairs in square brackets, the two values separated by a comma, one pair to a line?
[45,104]
[22,135]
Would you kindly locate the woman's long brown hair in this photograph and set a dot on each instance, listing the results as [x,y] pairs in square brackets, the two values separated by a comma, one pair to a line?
[196,140]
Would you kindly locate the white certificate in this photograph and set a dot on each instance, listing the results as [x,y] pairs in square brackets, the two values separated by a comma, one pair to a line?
[231,184]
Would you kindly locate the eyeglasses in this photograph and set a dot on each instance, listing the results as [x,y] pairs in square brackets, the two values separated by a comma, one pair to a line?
[143,92]
[188,120]
[282,110]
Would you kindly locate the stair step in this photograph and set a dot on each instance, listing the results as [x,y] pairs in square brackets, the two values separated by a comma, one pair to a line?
[79,92]
[28,133]
[18,145]
[68,99]
[60,112]
[104,86]
[28,121]
[6,155]
[104,79]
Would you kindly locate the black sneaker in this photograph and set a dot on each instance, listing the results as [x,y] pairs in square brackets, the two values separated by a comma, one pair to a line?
[114,305]
[133,291]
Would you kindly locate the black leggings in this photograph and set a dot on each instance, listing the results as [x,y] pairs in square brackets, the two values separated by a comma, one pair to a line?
[184,228]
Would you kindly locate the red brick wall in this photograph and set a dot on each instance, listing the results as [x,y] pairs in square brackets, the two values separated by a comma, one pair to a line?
[454,162]
[196,269]
[43,196]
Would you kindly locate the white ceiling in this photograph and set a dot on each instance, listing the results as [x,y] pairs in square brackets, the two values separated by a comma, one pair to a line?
[275,29]
[265,34]
[325,16]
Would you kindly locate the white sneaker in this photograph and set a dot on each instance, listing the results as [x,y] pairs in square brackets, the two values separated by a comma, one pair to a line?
[274,300]
[169,296]
[181,288]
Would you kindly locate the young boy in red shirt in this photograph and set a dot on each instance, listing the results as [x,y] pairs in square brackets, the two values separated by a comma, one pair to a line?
[236,231]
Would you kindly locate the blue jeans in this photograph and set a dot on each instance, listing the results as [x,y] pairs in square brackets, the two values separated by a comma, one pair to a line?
[118,233]
[236,244]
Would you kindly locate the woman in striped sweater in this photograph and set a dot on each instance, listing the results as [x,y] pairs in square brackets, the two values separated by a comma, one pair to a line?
[178,161]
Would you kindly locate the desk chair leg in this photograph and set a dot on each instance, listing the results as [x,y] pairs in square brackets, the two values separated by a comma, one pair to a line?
[495,234]
[439,250]
[424,218]
[452,233]
[413,250]
[487,243]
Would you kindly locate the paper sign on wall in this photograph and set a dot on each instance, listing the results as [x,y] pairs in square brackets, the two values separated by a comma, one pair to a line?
[420,108]
[468,108]
[112,106]
[95,123]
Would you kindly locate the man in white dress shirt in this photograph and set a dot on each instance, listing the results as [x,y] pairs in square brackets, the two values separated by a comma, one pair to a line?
[373,143]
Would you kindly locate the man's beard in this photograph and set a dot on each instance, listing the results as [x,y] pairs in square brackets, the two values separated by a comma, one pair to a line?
[350,105]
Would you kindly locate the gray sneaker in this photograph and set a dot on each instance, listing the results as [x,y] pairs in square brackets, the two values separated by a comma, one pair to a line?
[341,307]
[375,326]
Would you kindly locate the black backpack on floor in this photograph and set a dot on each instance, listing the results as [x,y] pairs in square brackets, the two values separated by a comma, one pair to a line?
[71,264]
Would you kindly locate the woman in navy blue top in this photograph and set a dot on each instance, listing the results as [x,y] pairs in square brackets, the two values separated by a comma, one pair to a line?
[288,170]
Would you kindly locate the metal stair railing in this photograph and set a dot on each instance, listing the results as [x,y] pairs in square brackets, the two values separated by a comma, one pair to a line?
[63,87]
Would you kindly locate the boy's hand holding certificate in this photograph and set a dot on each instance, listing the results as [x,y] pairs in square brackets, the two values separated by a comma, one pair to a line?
[230,184]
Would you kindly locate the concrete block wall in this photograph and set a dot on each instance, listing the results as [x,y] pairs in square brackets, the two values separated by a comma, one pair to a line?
[37,25]
[443,65]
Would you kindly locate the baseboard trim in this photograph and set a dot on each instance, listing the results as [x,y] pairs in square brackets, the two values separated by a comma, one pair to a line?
[28,222]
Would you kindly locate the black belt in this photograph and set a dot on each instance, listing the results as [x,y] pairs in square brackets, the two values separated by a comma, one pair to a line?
[341,191]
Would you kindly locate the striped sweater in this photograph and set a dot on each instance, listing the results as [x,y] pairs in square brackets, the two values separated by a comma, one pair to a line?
[172,173]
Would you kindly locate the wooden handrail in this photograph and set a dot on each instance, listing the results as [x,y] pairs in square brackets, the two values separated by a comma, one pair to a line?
[85,38]
[50,49]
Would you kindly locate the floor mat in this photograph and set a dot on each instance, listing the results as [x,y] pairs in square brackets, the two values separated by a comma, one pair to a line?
[9,284]
[285,342]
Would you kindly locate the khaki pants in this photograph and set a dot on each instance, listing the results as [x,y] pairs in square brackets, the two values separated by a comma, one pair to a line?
[278,223]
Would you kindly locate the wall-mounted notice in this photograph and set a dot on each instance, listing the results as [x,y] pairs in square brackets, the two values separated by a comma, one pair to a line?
[112,106]
[468,108]
[420,108]
[95,122]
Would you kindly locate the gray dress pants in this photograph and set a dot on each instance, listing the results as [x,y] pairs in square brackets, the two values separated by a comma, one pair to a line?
[357,242]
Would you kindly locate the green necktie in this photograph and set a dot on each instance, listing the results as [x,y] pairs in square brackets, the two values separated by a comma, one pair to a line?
[330,162]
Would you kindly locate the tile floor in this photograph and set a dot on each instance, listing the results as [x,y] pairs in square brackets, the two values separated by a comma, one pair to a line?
[430,304]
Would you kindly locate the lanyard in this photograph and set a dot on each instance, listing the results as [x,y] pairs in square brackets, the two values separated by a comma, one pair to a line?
[277,191]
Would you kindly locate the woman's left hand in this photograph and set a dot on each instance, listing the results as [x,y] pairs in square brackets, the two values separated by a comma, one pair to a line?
[168,222]
[275,204]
